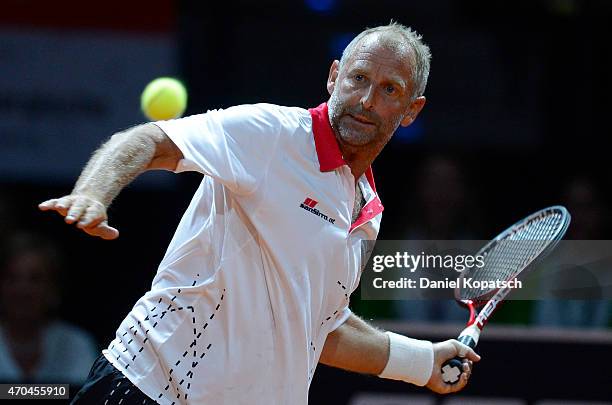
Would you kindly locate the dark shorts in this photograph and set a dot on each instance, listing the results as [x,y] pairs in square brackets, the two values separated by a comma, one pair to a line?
[106,385]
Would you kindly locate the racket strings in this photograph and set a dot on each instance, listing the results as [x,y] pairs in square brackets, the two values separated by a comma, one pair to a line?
[506,257]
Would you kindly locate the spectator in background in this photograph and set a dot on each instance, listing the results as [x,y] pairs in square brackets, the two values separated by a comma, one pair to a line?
[443,212]
[442,202]
[589,220]
[35,346]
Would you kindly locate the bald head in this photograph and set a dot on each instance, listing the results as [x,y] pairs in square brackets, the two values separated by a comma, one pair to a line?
[406,43]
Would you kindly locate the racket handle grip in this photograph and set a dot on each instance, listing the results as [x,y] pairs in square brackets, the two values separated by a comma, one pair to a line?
[452,369]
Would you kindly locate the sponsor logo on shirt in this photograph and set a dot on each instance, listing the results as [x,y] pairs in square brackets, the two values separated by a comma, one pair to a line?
[309,205]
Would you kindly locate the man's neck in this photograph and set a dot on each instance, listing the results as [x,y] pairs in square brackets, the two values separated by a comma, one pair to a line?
[358,158]
[357,163]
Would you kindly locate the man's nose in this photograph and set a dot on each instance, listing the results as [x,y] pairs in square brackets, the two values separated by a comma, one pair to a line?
[367,100]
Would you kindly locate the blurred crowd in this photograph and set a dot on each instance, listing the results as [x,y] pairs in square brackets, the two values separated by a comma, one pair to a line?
[447,206]
[36,345]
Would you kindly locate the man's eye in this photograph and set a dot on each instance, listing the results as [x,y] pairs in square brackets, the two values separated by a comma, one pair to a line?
[390,89]
[359,78]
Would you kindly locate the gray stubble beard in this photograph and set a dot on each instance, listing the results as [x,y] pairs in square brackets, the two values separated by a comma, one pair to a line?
[333,109]
[334,112]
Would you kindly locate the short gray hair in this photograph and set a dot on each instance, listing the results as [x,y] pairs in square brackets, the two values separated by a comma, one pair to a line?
[420,52]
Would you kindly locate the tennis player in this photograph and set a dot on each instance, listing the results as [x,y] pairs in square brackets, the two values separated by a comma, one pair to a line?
[254,288]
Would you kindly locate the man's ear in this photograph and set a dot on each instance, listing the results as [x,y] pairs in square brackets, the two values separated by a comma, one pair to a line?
[413,110]
[333,76]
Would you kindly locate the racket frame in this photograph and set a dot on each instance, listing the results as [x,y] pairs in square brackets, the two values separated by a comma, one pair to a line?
[491,300]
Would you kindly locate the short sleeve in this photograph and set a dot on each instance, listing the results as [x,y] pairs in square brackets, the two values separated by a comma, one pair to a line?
[340,318]
[234,146]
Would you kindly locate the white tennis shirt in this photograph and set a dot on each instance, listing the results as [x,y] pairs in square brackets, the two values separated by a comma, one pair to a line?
[261,266]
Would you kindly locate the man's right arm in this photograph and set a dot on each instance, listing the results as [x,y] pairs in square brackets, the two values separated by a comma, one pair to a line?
[112,167]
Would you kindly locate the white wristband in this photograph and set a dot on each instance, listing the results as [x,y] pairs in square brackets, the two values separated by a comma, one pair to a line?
[410,360]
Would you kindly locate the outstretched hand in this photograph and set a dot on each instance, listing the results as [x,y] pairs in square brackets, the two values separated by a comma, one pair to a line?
[87,213]
[443,352]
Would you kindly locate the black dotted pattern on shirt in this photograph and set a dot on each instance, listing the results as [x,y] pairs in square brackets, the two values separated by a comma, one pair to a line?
[125,393]
[346,298]
[153,320]
[314,366]
[327,319]
[184,382]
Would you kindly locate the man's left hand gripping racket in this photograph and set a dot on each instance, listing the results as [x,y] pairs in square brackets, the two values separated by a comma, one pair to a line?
[511,253]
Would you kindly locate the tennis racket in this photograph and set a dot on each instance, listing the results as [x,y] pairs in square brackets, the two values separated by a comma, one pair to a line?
[510,254]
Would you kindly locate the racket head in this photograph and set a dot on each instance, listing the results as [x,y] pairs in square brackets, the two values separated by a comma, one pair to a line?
[515,251]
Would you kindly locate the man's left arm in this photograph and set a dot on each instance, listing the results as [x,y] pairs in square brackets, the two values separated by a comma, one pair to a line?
[359,347]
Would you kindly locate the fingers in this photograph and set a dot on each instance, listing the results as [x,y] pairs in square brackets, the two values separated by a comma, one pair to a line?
[467,367]
[445,351]
[47,205]
[459,385]
[465,351]
[56,204]
[75,211]
[465,377]
[91,216]
[472,355]
[88,214]
[439,386]
[60,205]
[463,380]
[102,230]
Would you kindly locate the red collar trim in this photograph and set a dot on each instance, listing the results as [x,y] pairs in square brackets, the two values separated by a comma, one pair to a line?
[328,151]
[330,158]
[368,212]
[370,177]
[372,208]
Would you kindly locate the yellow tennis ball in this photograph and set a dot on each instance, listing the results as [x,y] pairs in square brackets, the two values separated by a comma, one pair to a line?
[163,99]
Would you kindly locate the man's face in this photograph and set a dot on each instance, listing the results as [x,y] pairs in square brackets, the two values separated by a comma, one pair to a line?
[371,93]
